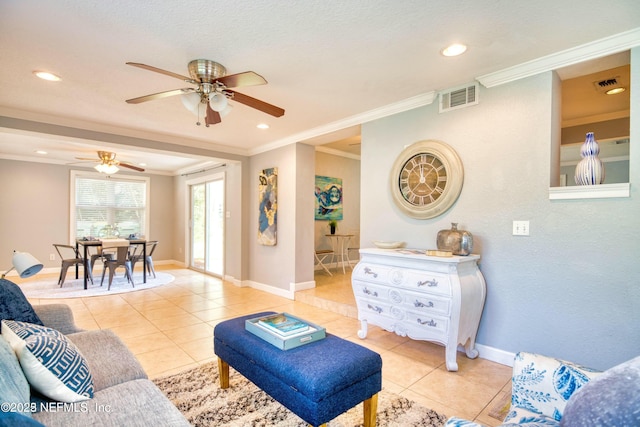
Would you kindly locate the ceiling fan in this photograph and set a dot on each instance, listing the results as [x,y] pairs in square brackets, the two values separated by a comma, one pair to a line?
[107,163]
[212,89]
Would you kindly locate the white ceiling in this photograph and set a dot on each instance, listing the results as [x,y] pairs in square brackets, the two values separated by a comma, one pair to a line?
[327,62]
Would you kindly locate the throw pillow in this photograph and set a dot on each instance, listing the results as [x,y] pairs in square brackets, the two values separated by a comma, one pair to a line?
[14,388]
[15,419]
[611,399]
[52,364]
[17,332]
[14,305]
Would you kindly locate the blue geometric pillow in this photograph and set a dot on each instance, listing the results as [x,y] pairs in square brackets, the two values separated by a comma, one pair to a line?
[52,364]
[17,332]
[14,305]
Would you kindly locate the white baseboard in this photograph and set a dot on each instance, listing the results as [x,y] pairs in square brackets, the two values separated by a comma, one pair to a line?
[496,355]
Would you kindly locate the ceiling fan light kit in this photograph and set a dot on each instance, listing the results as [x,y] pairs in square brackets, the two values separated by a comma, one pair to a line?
[106,168]
[212,90]
[108,164]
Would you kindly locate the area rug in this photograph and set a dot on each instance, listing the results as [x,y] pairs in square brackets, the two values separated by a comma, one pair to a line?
[74,288]
[197,394]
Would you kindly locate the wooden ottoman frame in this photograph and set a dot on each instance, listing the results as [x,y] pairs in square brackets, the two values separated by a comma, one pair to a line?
[316,381]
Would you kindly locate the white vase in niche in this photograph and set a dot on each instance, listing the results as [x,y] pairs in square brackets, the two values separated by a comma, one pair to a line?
[590,170]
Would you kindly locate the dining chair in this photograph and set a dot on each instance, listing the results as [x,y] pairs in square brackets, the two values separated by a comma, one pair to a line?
[121,260]
[98,253]
[70,256]
[135,257]
[321,255]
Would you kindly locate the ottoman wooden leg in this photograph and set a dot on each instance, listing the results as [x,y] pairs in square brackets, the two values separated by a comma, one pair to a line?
[223,370]
[370,409]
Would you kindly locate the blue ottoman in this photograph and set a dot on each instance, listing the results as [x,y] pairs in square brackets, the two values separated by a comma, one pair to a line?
[316,381]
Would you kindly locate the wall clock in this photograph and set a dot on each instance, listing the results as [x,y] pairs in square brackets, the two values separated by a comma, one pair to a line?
[426,179]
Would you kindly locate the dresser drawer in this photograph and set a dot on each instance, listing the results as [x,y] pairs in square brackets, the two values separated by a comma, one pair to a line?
[367,290]
[428,323]
[426,281]
[427,303]
[372,273]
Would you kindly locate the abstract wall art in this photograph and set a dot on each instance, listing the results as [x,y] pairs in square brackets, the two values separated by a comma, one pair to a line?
[328,193]
[268,203]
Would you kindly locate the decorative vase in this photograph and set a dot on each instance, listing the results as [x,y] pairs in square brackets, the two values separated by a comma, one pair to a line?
[332,229]
[459,242]
[590,170]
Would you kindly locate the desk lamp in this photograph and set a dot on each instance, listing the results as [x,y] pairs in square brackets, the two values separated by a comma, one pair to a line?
[25,264]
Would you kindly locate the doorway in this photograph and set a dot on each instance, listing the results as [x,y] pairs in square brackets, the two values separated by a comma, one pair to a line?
[207,225]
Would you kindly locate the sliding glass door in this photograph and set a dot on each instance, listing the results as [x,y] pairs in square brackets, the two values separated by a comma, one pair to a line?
[207,226]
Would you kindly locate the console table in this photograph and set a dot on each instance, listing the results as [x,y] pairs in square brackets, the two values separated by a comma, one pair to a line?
[429,298]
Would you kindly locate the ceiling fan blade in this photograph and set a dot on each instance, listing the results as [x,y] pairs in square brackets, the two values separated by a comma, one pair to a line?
[88,159]
[158,70]
[248,78]
[159,95]
[127,165]
[212,117]
[257,104]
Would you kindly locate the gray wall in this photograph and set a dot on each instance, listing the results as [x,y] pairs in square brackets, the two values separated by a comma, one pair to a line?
[36,211]
[570,289]
[290,261]
[349,171]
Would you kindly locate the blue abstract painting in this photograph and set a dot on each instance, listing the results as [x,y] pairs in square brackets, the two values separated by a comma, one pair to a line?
[328,193]
[268,203]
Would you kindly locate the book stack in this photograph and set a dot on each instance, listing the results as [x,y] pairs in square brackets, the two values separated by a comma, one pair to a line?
[283,325]
[284,330]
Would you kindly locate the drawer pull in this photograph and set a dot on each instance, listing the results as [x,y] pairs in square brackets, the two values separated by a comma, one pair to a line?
[421,304]
[375,308]
[431,323]
[368,292]
[367,270]
[429,283]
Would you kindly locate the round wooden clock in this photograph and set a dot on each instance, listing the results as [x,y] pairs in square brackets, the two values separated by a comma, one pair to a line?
[426,179]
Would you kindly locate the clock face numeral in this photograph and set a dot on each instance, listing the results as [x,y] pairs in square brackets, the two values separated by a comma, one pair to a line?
[422,179]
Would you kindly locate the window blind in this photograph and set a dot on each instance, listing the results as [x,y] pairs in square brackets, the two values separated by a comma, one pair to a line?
[116,202]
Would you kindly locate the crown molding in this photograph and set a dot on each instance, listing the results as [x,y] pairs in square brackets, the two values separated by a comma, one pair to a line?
[599,48]
[358,119]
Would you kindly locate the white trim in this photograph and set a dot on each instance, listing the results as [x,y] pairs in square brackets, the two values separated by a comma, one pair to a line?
[285,293]
[597,49]
[358,119]
[302,286]
[602,191]
[322,149]
[495,355]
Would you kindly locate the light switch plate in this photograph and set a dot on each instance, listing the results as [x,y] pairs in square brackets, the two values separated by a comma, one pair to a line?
[520,228]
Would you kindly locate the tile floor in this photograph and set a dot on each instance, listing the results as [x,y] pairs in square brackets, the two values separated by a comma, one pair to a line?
[170,329]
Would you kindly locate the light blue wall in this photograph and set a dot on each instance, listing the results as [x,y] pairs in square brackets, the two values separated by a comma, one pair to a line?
[571,288]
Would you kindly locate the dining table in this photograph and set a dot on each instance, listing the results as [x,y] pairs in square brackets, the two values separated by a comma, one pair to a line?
[87,242]
[340,244]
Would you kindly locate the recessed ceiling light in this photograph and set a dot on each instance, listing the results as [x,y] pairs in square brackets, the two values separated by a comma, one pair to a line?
[142,164]
[263,126]
[454,50]
[45,75]
[41,152]
[615,91]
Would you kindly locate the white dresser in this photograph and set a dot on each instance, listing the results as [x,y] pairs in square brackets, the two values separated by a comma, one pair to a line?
[423,297]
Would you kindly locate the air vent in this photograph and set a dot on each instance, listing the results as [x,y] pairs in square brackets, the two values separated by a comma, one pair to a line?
[459,97]
[607,84]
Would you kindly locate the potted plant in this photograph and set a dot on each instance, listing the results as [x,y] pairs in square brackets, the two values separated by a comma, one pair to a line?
[332,225]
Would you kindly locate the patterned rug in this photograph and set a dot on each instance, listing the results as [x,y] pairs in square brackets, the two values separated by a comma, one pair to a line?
[197,394]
